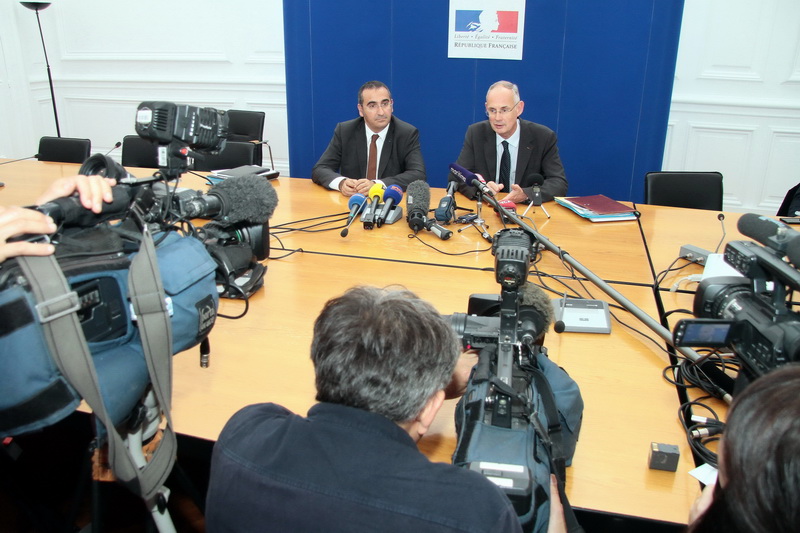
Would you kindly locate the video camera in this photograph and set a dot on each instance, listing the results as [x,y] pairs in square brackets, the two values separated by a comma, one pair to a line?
[181,131]
[498,321]
[751,313]
[237,236]
[511,426]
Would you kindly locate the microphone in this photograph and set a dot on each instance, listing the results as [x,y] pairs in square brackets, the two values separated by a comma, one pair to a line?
[375,194]
[23,159]
[391,197]
[534,194]
[250,199]
[535,314]
[119,143]
[767,231]
[70,212]
[356,204]
[506,204]
[418,202]
[721,218]
[447,205]
[440,231]
[470,178]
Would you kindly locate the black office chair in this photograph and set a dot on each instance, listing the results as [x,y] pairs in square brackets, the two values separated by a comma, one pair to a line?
[235,154]
[139,152]
[696,190]
[247,126]
[790,203]
[64,149]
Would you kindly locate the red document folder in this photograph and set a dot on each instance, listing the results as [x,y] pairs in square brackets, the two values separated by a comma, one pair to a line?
[600,204]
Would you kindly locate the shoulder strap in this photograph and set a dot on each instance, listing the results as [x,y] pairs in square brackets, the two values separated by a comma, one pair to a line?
[56,306]
[557,455]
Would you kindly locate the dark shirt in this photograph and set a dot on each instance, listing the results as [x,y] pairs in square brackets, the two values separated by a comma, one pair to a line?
[340,469]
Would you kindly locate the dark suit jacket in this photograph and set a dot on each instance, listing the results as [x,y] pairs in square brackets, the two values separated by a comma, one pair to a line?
[346,155]
[537,154]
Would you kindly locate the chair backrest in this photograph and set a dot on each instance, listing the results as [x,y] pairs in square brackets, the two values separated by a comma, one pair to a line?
[64,149]
[697,190]
[235,154]
[247,126]
[787,209]
[139,152]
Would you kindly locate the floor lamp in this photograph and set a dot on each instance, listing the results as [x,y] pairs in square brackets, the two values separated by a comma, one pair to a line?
[37,6]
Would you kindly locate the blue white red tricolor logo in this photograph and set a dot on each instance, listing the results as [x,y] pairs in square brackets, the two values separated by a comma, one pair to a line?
[484,21]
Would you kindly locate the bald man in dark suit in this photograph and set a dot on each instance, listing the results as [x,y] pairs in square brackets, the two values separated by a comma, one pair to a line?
[344,165]
[533,150]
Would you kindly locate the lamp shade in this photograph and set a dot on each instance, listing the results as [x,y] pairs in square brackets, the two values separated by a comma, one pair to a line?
[36,6]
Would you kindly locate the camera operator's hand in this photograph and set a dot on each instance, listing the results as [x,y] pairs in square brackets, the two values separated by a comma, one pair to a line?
[18,221]
[458,384]
[92,190]
[14,221]
[702,503]
[557,523]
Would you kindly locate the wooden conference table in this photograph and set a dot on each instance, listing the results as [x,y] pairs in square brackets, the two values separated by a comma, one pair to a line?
[264,355]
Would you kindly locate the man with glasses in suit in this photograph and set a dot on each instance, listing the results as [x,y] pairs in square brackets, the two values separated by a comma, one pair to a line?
[511,153]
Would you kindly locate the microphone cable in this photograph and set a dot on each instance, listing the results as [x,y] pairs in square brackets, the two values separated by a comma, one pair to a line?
[690,374]
[701,431]
[228,286]
[285,227]
[575,294]
[432,247]
[671,268]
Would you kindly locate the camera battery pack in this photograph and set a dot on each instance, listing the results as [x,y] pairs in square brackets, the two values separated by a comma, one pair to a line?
[514,480]
[664,456]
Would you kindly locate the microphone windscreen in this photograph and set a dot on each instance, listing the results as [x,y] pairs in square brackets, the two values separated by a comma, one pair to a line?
[793,252]
[533,297]
[376,190]
[418,196]
[463,175]
[759,228]
[536,179]
[357,200]
[394,192]
[249,198]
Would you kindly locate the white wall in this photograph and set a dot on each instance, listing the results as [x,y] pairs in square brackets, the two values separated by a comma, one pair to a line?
[736,99]
[107,57]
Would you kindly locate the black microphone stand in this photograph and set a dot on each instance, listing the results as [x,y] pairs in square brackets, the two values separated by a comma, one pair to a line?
[629,306]
[37,6]
[535,200]
[479,222]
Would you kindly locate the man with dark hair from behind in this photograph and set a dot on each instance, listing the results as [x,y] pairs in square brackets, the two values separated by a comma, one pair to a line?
[758,487]
[382,360]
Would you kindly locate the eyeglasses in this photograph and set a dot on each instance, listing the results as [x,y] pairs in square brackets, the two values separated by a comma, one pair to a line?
[502,111]
[373,106]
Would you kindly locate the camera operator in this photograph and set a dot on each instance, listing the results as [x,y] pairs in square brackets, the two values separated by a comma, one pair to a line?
[93,191]
[382,359]
[758,487]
